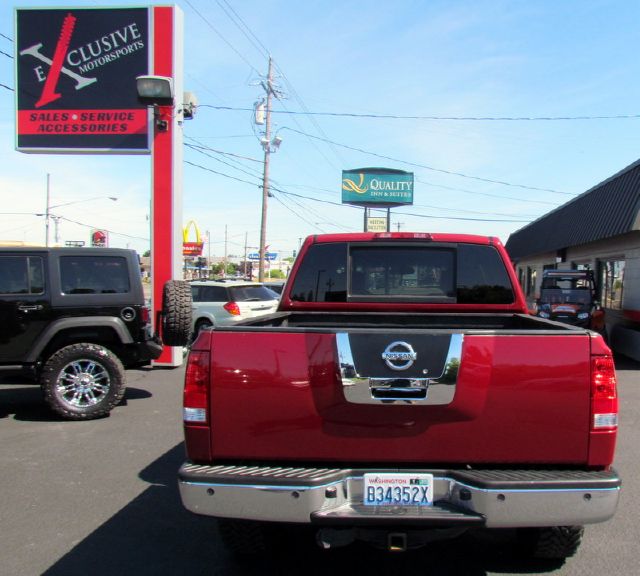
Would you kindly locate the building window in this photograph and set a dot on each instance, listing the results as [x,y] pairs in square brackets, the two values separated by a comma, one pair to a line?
[612,283]
[579,266]
[531,280]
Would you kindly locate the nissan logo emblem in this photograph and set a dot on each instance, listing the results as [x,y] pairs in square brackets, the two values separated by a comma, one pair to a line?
[399,355]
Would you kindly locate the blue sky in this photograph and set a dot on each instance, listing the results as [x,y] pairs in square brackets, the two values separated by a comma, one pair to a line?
[491,59]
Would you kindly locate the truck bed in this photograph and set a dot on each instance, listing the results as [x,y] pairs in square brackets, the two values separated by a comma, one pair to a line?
[324,321]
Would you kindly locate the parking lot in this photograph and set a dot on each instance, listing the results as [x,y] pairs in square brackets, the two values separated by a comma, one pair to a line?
[100,498]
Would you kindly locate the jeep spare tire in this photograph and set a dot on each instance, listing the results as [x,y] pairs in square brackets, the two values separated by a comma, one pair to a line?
[83,381]
[176,313]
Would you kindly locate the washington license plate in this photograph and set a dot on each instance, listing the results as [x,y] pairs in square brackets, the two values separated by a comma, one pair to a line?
[400,489]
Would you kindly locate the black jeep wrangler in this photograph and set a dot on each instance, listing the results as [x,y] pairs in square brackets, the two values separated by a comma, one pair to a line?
[72,320]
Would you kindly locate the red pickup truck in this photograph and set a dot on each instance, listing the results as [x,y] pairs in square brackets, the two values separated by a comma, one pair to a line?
[400,394]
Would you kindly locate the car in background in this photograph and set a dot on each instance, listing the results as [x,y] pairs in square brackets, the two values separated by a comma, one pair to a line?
[276,286]
[227,302]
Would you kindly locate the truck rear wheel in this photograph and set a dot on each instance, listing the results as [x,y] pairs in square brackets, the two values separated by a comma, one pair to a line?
[242,537]
[176,313]
[83,381]
[554,542]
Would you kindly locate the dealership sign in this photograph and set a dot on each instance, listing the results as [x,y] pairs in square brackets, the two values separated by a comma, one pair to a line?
[76,72]
[375,186]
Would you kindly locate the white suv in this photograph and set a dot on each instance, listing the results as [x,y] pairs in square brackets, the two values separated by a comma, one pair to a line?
[225,302]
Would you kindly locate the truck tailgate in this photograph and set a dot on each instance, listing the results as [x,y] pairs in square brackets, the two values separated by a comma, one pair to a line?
[518,399]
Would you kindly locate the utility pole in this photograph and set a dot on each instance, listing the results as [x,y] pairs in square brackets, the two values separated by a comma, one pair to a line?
[208,255]
[266,143]
[224,271]
[245,255]
[46,215]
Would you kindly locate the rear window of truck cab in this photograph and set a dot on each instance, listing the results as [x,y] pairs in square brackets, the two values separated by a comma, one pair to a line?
[437,273]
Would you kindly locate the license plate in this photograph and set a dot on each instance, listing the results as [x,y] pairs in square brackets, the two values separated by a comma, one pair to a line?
[401,489]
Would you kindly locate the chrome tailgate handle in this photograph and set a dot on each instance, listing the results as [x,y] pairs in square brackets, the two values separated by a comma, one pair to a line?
[439,389]
[30,307]
[399,388]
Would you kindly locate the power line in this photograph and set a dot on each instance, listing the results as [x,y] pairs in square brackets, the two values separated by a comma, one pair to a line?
[298,215]
[6,37]
[221,173]
[7,87]
[263,50]
[302,105]
[244,29]
[470,211]
[196,148]
[450,172]
[206,21]
[102,228]
[278,189]
[458,218]
[489,195]
[6,54]
[446,118]
[222,152]
[404,213]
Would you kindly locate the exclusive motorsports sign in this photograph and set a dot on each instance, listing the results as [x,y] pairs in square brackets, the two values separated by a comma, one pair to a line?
[76,75]
[375,186]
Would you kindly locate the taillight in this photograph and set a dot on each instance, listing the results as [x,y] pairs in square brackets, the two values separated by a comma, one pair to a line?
[196,388]
[604,396]
[232,308]
[145,315]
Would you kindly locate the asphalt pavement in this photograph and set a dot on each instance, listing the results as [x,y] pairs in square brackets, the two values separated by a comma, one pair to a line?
[101,498]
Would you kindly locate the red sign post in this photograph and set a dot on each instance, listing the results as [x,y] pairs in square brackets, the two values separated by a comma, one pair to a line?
[76,71]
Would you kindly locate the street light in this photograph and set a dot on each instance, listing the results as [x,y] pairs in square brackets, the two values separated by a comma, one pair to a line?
[56,219]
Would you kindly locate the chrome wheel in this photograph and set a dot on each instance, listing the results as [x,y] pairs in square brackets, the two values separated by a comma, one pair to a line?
[82,383]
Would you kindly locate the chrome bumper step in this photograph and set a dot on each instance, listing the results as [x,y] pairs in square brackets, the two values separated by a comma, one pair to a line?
[438,515]
[334,496]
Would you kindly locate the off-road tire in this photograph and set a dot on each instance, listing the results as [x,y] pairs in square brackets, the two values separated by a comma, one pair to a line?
[242,537]
[83,381]
[554,542]
[176,313]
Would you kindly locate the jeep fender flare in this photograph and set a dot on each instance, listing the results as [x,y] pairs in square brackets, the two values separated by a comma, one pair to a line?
[116,324]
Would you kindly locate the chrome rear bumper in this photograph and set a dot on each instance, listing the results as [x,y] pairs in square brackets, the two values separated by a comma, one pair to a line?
[333,496]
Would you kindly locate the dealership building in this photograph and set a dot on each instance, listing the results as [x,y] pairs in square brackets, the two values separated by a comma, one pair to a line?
[600,231]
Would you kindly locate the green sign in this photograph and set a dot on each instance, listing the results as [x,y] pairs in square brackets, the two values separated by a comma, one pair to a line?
[373,186]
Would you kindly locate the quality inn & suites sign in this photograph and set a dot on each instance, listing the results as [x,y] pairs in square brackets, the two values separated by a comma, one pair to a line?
[375,186]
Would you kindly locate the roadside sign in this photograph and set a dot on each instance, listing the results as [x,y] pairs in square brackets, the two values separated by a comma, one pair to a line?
[76,74]
[268,256]
[377,186]
[376,224]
